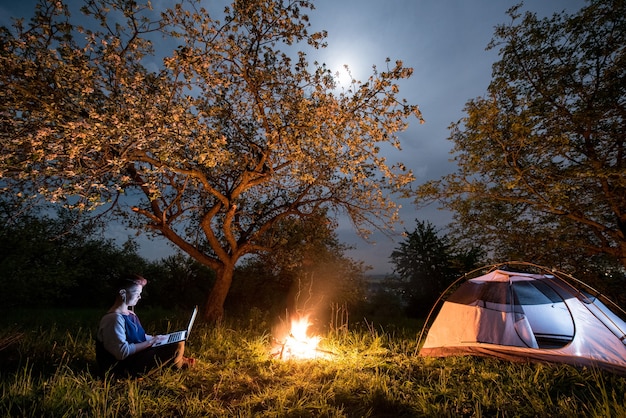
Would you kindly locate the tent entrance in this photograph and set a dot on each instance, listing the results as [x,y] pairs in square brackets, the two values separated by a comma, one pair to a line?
[539,314]
[548,316]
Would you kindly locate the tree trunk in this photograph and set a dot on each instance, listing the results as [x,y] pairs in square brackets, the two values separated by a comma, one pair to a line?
[214,308]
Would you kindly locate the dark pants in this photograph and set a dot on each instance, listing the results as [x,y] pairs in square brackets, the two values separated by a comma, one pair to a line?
[141,362]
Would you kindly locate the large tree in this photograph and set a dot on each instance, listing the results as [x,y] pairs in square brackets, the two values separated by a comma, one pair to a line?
[542,157]
[208,144]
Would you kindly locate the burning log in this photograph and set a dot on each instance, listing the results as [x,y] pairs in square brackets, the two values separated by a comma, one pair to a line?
[287,349]
[297,344]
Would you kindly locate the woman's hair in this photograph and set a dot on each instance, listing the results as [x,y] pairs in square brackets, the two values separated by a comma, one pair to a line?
[130,280]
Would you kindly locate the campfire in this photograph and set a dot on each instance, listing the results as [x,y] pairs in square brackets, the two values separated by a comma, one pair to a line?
[296,342]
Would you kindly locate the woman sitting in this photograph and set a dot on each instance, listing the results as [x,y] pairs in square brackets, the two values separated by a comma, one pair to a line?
[122,345]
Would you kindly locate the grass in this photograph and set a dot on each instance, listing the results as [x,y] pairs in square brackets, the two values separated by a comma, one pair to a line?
[47,364]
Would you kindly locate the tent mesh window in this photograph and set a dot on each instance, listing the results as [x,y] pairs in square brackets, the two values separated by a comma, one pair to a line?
[549,317]
[534,293]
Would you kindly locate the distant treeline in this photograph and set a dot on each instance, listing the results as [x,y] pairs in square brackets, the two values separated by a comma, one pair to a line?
[54,261]
[50,261]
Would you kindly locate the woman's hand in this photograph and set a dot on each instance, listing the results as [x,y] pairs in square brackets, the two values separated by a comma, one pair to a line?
[146,344]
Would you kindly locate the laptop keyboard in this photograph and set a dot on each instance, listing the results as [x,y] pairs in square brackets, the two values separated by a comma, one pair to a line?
[175,336]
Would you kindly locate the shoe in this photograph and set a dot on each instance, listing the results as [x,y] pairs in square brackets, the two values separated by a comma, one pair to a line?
[188,363]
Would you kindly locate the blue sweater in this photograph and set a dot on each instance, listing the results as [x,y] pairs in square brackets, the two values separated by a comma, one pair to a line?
[119,334]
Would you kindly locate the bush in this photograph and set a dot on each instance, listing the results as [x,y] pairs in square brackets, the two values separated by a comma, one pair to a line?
[47,261]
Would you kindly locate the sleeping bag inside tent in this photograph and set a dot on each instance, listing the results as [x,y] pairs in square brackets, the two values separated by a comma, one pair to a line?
[528,317]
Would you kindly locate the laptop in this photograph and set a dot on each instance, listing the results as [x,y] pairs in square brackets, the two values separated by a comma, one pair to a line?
[174,337]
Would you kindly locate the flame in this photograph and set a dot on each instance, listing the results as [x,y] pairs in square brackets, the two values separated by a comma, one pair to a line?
[297,344]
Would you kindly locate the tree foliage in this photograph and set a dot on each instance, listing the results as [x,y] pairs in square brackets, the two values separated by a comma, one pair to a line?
[42,264]
[177,282]
[542,158]
[209,141]
[307,272]
[427,263]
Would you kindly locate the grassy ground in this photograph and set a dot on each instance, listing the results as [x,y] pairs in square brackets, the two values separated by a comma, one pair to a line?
[47,363]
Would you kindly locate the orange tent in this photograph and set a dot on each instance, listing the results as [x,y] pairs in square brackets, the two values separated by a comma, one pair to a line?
[528,316]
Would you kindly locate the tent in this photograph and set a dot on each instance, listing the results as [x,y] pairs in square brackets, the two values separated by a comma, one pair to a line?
[529,317]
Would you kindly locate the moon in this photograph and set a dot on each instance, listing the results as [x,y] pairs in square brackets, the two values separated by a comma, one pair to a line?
[345,67]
